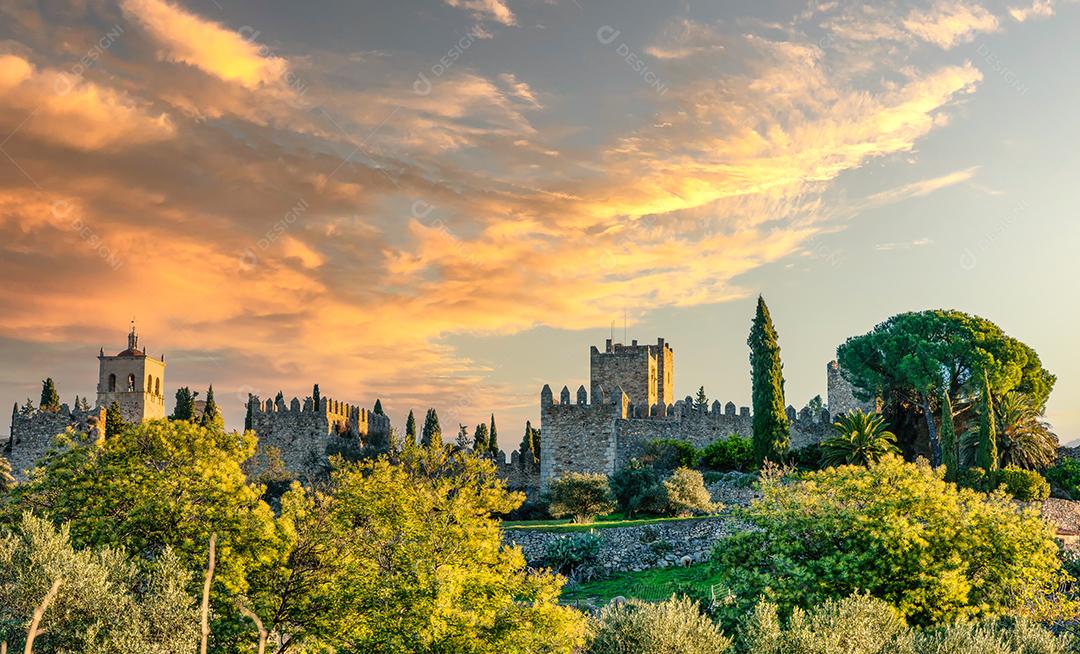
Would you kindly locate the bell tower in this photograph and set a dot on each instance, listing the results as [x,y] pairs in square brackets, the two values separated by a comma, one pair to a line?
[132,379]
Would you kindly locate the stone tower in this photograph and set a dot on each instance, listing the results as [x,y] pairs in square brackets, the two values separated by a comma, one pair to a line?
[646,373]
[134,380]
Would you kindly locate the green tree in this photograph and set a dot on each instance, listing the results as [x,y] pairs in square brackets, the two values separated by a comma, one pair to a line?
[986,452]
[581,495]
[410,429]
[686,493]
[114,420]
[860,439]
[771,432]
[50,399]
[527,448]
[316,397]
[701,402]
[815,405]
[27,408]
[950,446]
[211,416]
[937,553]
[451,586]
[462,441]
[480,439]
[493,437]
[432,432]
[249,415]
[1024,439]
[185,404]
[162,485]
[105,603]
[378,410]
[677,625]
[912,358]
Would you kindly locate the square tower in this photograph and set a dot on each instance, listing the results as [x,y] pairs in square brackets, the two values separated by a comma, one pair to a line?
[645,372]
[133,380]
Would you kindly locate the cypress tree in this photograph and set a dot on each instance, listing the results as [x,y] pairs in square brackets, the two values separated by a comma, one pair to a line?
[50,399]
[950,457]
[211,413]
[526,447]
[432,433]
[702,401]
[114,420]
[771,436]
[493,437]
[250,412]
[185,404]
[480,439]
[316,397]
[410,429]
[986,454]
[462,441]
[378,408]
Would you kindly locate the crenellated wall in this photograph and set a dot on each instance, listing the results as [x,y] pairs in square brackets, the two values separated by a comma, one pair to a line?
[32,433]
[302,433]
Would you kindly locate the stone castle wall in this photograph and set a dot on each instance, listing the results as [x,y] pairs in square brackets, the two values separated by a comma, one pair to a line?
[521,474]
[301,433]
[644,372]
[32,434]
[842,398]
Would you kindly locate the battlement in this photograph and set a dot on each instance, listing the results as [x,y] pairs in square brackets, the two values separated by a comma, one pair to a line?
[346,417]
[33,431]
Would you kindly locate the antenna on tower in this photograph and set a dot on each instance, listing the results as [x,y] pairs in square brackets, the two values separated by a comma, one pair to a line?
[625,337]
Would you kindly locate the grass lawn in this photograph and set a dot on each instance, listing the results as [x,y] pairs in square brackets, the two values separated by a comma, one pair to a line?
[653,585]
[603,522]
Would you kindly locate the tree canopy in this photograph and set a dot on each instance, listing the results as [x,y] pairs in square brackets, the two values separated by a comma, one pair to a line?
[771,431]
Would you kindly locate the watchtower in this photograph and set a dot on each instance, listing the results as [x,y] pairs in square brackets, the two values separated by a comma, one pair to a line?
[134,380]
[646,373]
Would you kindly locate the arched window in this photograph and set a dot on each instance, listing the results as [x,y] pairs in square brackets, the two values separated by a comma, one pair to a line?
[112,383]
[131,383]
[149,383]
[157,386]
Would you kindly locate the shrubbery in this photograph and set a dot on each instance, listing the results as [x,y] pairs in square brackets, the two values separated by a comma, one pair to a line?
[674,626]
[935,552]
[669,453]
[1023,485]
[686,493]
[580,495]
[731,453]
[637,489]
[1065,478]
[573,554]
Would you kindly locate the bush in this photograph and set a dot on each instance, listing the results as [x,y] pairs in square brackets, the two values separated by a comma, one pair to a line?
[936,552]
[975,479]
[669,453]
[1065,478]
[676,625]
[580,495]
[808,457]
[864,625]
[637,489]
[573,553]
[529,510]
[731,453]
[1023,485]
[686,493]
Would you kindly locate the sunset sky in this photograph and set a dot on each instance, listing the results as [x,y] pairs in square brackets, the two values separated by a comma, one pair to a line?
[445,202]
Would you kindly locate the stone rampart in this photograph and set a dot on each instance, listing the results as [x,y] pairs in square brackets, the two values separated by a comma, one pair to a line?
[32,433]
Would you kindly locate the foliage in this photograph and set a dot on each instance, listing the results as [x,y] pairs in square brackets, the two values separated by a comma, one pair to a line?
[431,436]
[160,485]
[1064,478]
[675,626]
[1024,439]
[861,439]
[864,625]
[637,489]
[410,429]
[701,402]
[185,404]
[771,437]
[1023,485]
[571,553]
[7,479]
[807,457]
[686,493]
[114,420]
[580,495]
[912,358]
[815,405]
[670,453]
[450,586]
[895,530]
[377,409]
[731,453]
[493,437]
[211,417]
[527,450]
[106,603]
[50,399]
[480,439]
[975,479]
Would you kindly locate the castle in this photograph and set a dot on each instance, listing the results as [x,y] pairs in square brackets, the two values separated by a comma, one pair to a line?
[630,404]
[135,381]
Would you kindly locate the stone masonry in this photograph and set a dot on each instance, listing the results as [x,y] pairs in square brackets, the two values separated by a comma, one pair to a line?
[33,433]
[603,432]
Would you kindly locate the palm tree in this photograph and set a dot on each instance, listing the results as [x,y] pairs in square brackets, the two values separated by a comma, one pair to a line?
[861,439]
[1024,440]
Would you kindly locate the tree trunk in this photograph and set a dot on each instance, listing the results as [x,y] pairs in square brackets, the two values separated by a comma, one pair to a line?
[935,444]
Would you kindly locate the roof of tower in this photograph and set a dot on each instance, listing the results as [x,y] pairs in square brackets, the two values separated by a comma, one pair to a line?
[133,345]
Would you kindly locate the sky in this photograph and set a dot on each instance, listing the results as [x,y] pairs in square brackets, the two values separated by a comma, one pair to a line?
[446,202]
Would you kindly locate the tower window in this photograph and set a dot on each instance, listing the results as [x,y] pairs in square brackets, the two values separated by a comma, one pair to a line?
[112,383]
[157,386]
[131,383]
[149,383]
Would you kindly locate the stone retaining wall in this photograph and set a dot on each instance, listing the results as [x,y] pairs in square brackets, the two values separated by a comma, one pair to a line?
[627,549]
